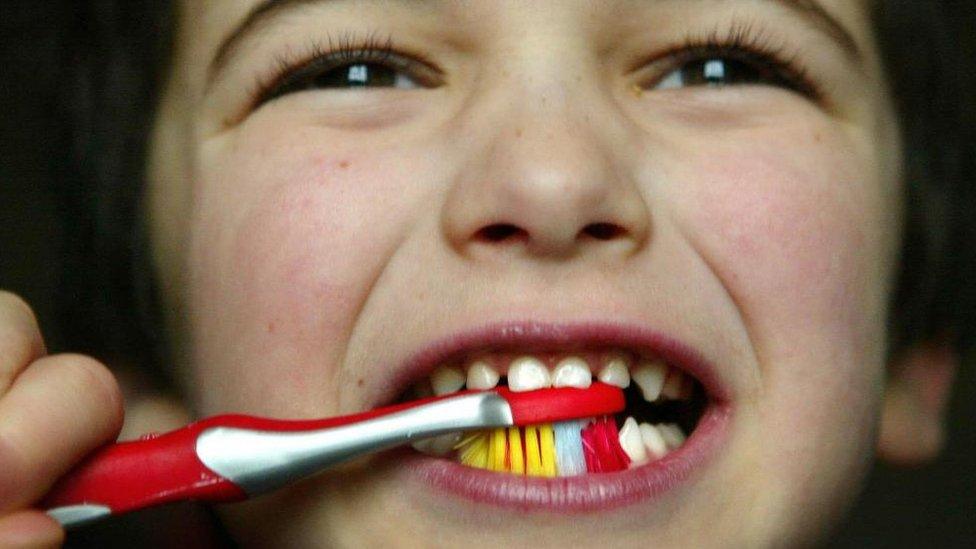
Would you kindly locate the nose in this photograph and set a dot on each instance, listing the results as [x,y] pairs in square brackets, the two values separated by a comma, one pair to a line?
[548,182]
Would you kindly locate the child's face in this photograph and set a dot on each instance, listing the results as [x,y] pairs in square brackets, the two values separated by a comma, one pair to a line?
[316,241]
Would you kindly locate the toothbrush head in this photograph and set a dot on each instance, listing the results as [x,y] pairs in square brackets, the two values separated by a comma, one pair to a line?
[561,404]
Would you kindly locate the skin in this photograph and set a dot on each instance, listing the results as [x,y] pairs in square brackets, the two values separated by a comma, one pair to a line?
[320,224]
[308,245]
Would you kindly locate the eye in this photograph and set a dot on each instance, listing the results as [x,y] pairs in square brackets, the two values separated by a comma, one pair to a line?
[328,73]
[358,75]
[741,56]
[717,72]
[347,67]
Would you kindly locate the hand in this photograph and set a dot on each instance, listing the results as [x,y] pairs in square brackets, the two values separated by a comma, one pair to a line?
[54,410]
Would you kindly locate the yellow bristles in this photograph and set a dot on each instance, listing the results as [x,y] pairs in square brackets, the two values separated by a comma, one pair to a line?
[474,450]
[547,450]
[533,461]
[496,450]
[503,450]
[515,454]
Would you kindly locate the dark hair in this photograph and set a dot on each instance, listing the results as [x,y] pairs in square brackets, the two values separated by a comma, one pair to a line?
[119,52]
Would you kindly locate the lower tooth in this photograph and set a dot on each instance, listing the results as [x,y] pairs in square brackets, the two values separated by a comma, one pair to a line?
[673,436]
[630,441]
[437,446]
[422,446]
[653,441]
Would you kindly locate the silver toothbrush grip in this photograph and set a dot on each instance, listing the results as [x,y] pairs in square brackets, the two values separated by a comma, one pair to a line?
[260,461]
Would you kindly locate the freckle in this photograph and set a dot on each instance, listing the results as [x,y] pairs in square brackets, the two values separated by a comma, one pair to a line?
[359,382]
[818,137]
[344,164]
[518,132]
[271,327]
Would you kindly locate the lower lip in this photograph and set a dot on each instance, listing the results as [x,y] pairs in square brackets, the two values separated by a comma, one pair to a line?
[579,494]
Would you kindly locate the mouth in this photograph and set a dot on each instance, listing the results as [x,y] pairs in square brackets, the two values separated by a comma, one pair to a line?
[677,411]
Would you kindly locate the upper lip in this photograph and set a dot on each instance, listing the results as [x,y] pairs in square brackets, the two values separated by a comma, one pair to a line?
[529,336]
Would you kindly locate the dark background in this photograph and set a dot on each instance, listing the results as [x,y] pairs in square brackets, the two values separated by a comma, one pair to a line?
[930,506]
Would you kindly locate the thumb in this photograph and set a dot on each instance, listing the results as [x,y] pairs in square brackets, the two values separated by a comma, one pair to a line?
[30,529]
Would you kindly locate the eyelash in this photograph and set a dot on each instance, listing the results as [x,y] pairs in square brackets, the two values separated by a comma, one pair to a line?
[742,42]
[291,71]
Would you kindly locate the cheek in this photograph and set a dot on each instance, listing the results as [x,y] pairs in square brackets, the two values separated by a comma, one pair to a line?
[793,233]
[286,241]
[796,234]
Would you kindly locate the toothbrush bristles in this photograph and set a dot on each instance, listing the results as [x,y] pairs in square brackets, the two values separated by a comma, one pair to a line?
[566,448]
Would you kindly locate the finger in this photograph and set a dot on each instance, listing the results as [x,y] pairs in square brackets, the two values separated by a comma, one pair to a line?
[20,338]
[58,410]
[32,529]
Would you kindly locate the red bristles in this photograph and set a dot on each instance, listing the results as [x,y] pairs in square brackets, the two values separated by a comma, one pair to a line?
[601,447]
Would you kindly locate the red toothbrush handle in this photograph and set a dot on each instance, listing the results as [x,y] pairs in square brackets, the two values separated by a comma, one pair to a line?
[133,475]
[161,469]
[138,474]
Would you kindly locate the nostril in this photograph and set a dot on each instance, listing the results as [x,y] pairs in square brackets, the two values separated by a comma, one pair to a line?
[603,231]
[499,232]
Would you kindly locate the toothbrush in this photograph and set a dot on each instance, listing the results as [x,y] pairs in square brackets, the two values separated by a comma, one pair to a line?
[234,457]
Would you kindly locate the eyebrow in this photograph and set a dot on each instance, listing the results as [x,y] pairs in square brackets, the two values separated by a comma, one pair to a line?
[810,10]
[819,17]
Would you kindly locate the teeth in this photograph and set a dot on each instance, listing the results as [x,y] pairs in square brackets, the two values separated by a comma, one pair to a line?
[615,373]
[672,385]
[444,444]
[446,380]
[653,441]
[649,376]
[653,377]
[422,446]
[630,441]
[572,372]
[673,436]
[482,376]
[437,446]
[528,374]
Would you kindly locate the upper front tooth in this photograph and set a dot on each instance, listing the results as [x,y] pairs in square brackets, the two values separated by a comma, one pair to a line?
[527,374]
[630,441]
[572,372]
[482,376]
[446,380]
[649,376]
[615,373]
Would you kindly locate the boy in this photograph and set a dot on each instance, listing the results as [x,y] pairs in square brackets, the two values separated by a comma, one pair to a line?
[336,188]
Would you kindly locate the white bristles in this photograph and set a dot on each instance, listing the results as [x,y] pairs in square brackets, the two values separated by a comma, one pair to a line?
[569,448]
